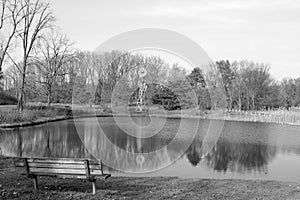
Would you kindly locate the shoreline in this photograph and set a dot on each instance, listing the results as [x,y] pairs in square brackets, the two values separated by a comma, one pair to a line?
[235,118]
[46,120]
[13,185]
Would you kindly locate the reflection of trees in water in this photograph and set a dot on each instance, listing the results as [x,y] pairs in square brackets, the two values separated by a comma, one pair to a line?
[233,156]
[61,140]
[51,140]
[47,151]
[11,142]
[241,147]
[240,157]
[118,149]
[194,154]
[134,144]
[146,139]
[286,149]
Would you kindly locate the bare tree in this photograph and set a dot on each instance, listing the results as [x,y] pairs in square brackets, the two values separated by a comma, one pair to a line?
[12,79]
[11,16]
[54,50]
[37,18]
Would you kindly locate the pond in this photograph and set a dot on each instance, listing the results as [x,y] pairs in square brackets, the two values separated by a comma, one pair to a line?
[166,146]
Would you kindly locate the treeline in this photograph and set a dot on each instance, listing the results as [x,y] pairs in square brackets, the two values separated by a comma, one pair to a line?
[114,78]
[100,78]
[249,85]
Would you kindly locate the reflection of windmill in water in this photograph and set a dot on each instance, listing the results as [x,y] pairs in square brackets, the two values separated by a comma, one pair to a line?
[47,152]
[141,108]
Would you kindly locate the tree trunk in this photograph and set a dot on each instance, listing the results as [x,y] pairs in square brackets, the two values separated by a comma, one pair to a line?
[230,101]
[49,95]
[2,81]
[248,102]
[253,102]
[21,95]
[240,102]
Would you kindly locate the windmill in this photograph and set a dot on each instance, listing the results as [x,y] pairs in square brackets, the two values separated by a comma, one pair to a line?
[142,90]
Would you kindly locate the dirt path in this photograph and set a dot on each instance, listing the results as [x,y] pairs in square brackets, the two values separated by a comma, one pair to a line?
[15,186]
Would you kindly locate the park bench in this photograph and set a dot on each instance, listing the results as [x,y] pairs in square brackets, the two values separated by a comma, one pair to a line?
[62,168]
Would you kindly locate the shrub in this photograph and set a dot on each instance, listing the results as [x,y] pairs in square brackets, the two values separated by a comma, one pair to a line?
[107,110]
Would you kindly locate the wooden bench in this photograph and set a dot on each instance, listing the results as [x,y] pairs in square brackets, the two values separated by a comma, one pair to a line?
[62,168]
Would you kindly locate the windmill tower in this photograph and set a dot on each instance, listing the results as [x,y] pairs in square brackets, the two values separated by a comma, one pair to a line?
[142,91]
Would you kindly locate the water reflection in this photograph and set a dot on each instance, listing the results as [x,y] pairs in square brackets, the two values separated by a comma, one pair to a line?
[240,157]
[120,150]
[242,148]
[194,153]
[51,140]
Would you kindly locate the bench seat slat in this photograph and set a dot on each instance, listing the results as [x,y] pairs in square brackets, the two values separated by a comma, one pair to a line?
[19,164]
[75,176]
[34,160]
[58,159]
[57,171]
[59,165]
[69,176]
[56,166]
[19,161]
[102,176]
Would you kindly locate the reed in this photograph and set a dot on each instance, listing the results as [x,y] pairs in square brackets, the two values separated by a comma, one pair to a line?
[280,116]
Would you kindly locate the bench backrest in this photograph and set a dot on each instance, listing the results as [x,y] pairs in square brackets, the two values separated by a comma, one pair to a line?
[77,168]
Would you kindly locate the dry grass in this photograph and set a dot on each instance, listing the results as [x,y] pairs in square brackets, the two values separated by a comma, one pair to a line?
[32,113]
[291,117]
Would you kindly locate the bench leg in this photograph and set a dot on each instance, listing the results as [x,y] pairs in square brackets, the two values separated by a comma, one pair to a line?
[94,186]
[34,182]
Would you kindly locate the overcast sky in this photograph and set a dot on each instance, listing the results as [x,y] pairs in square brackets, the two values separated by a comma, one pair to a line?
[259,30]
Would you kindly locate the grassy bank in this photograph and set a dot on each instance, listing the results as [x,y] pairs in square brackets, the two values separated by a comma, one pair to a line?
[15,186]
[31,113]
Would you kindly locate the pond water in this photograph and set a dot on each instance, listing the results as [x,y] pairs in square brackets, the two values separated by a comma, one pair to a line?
[243,150]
